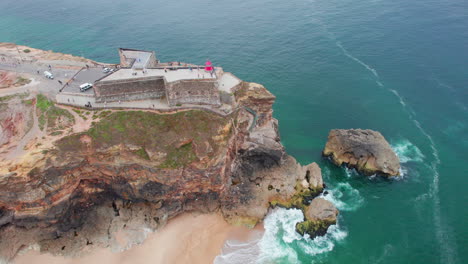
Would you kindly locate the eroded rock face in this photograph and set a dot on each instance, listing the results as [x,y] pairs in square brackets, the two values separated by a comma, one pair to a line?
[365,150]
[319,215]
[135,170]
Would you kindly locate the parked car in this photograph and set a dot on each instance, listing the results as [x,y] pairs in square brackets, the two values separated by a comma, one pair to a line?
[106,70]
[48,75]
[85,86]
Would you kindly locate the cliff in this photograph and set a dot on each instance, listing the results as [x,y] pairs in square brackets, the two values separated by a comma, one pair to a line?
[88,175]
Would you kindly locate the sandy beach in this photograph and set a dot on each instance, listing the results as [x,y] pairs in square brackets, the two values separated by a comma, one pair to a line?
[188,238]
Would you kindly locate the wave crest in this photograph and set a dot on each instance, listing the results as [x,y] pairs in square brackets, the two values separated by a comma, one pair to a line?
[407,151]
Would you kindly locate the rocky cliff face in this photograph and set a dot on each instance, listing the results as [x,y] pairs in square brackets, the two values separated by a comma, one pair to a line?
[134,170]
[365,150]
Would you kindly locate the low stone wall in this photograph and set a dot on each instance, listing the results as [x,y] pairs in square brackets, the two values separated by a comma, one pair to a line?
[75,99]
[193,92]
[130,89]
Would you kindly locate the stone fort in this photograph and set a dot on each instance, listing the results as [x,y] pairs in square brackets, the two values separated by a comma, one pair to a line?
[141,75]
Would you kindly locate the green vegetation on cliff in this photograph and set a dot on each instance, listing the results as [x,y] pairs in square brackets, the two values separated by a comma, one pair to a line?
[300,199]
[56,118]
[316,227]
[170,139]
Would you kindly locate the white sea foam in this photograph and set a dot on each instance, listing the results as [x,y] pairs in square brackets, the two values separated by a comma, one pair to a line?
[349,55]
[407,151]
[344,197]
[236,252]
[350,172]
[280,240]
[279,232]
[322,244]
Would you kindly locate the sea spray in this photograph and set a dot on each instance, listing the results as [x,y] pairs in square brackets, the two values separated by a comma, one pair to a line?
[239,252]
[407,151]
[281,243]
[280,231]
[343,196]
[350,172]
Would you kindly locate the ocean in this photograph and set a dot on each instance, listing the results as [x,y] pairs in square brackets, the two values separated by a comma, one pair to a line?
[399,67]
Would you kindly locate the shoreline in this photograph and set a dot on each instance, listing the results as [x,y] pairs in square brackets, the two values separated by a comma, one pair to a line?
[188,238]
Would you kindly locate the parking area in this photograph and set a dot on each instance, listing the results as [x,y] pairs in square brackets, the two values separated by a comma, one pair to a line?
[89,75]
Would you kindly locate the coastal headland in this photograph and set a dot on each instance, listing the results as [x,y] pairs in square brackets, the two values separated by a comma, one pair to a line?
[100,155]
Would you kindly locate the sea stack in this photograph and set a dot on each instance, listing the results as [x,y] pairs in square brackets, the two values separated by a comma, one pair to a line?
[365,150]
[319,215]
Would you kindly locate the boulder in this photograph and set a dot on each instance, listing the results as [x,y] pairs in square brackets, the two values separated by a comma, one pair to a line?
[365,150]
[319,215]
[313,176]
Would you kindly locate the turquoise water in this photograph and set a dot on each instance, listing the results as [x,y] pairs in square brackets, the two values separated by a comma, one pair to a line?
[399,67]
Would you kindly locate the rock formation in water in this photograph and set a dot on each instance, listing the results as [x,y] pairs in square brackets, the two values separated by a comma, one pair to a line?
[365,150]
[319,215]
[91,176]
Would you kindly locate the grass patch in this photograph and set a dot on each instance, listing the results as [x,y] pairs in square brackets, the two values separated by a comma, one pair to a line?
[20,81]
[42,122]
[28,102]
[179,157]
[9,97]
[26,50]
[54,114]
[104,114]
[56,133]
[142,153]
[56,118]
[157,133]
[43,103]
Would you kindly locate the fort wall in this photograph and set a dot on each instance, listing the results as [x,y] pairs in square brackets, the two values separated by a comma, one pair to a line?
[130,89]
[193,92]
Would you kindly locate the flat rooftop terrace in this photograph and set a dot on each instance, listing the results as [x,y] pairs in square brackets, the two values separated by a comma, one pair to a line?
[169,75]
[140,57]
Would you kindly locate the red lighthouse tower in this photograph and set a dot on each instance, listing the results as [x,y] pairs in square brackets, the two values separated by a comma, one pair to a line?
[208,66]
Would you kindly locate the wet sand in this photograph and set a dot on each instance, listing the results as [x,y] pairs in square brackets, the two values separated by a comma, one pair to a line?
[188,238]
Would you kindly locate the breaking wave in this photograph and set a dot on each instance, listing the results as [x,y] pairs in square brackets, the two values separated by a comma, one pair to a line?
[407,151]
[281,242]
[344,197]
[238,252]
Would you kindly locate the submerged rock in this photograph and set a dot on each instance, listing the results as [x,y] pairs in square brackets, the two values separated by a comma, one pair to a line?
[365,150]
[319,215]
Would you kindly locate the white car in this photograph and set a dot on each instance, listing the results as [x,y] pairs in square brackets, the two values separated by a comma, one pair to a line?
[106,70]
[85,86]
[48,75]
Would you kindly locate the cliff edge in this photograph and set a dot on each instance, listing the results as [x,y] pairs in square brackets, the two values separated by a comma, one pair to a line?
[83,177]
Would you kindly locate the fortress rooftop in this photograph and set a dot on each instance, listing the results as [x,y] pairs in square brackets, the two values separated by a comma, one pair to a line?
[137,59]
[170,75]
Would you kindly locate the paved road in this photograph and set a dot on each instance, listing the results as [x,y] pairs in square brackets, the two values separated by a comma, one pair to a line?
[61,73]
[43,84]
[84,76]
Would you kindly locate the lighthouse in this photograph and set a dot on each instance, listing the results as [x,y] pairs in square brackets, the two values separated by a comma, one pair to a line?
[208,66]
